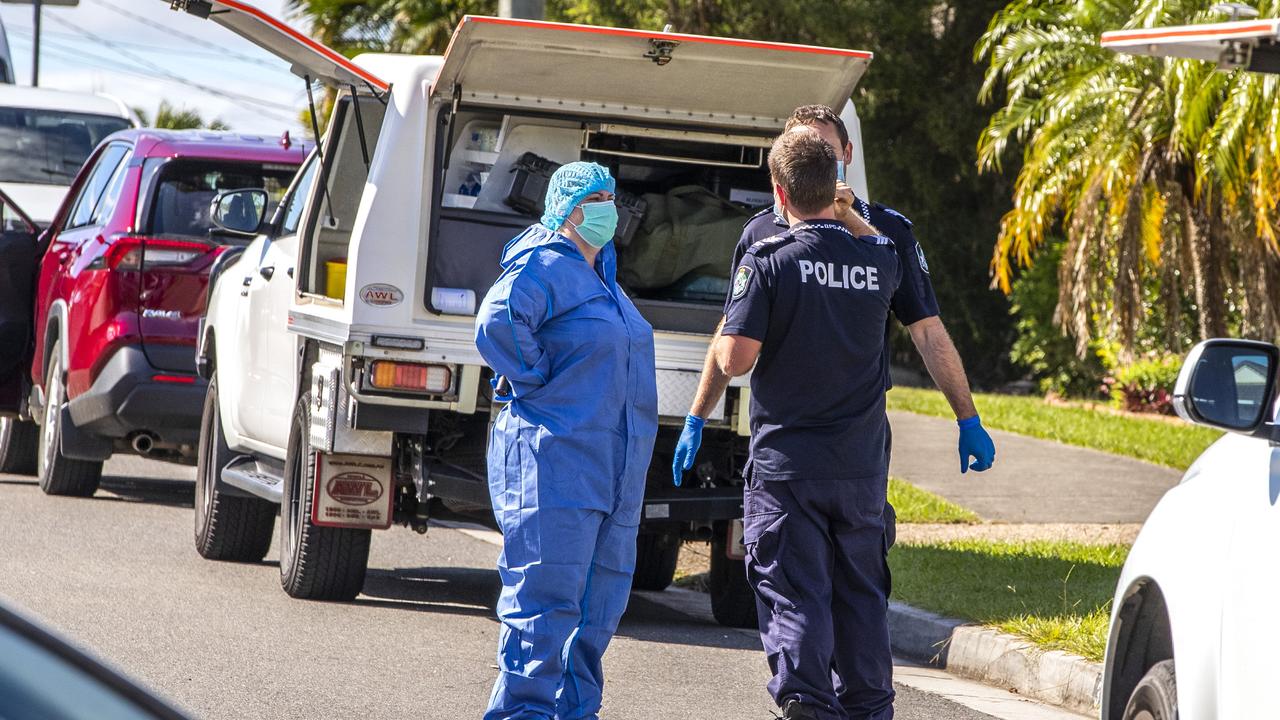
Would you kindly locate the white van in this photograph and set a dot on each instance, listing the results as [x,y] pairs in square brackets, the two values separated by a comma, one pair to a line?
[45,136]
[344,380]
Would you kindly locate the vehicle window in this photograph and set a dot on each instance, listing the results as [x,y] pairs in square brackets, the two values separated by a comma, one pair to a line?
[184,190]
[111,197]
[95,186]
[293,211]
[35,683]
[48,147]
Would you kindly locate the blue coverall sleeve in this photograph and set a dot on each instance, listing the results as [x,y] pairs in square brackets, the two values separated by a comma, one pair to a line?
[507,326]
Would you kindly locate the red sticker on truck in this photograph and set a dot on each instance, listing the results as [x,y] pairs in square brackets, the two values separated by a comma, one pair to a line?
[352,491]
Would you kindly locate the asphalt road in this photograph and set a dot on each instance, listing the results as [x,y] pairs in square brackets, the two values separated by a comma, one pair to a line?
[118,574]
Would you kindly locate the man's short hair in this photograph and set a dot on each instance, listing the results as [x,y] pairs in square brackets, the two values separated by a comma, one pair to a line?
[812,115]
[805,166]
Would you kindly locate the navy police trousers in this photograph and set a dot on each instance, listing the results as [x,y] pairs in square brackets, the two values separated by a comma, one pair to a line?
[816,556]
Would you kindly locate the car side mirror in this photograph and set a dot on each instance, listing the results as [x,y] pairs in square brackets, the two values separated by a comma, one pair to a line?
[1229,385]
[239,212]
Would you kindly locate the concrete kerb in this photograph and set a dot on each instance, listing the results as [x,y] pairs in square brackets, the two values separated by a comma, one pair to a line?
[996,658]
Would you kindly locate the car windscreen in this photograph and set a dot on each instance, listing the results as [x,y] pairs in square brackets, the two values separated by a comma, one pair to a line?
[183,190]
[47,147]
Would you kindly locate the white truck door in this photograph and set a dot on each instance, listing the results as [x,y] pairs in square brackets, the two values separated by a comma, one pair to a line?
[688,80]
[306,57]
[1247,44]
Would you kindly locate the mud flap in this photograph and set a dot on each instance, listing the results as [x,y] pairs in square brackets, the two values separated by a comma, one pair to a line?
[77,444]
[352,491]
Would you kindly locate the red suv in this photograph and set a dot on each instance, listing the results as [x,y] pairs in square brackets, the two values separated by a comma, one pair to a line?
[120,276]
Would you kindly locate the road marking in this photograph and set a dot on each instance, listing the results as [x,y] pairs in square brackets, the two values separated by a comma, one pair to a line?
[479,532]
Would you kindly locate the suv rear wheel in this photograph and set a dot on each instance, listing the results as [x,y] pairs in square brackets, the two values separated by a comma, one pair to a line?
[316,563]
[18,443]
[228,527]
[1156,696]
[61,475]
[733,601]
[656,558]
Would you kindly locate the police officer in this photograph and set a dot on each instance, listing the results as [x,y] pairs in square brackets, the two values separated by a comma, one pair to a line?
[807,309]
[914,305]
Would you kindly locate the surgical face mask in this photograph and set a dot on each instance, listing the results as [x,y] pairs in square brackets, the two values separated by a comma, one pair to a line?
[599,222]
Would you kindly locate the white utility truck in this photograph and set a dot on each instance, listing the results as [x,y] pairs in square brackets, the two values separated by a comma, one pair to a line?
[344,383]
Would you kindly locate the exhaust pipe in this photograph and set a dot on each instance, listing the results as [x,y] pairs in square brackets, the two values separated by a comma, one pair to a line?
[143,443]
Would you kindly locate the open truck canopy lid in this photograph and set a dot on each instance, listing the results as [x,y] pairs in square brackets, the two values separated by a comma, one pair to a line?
[659,76]
[305,56]
[1248,44]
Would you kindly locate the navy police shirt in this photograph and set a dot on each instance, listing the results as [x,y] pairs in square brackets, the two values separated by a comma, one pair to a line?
[914,299]
[817,298]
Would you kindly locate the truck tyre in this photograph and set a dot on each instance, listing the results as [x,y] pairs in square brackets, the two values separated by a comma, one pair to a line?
[18,443]
[228,527]
[316,563]
[656,556]
[1156,696]
[733,601]
[60,475]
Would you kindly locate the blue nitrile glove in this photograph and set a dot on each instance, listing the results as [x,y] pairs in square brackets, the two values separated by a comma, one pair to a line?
[975,443]
[687,448]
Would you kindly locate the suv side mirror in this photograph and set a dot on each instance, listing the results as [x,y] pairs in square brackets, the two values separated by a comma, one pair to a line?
[239,212]
[1229,385]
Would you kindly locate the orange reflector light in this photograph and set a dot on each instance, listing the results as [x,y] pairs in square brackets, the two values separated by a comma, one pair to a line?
[388,375]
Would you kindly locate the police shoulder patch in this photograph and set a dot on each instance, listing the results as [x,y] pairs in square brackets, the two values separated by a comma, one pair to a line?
[741,281]
[924,264]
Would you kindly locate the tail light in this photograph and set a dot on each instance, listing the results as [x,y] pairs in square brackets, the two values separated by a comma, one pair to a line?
[135,253]
[413,377]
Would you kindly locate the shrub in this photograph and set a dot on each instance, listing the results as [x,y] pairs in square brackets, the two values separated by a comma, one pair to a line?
[1145,385]
[1041,349]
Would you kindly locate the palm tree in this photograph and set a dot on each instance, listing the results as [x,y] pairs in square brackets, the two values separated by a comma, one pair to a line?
[402,26]
[1160,173]
[174,118]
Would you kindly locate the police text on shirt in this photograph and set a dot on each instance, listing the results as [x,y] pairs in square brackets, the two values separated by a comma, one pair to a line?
[857,277]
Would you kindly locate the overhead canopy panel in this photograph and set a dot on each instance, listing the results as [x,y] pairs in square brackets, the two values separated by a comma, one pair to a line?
[641,74]
[305,56]
[1249,44]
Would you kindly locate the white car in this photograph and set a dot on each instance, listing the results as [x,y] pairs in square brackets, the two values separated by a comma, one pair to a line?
[1195,626]
[45,136]
[345,383]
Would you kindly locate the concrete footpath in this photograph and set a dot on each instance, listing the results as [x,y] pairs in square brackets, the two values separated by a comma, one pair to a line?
[1033,481]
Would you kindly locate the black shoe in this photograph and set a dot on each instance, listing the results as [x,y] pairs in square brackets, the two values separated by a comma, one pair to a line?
[793,710]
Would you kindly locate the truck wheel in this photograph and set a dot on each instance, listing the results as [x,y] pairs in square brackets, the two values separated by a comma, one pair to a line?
[656,556]
[1156,696]
[18,443]
[228,527]
[60,475]
[733,602]
[316,563]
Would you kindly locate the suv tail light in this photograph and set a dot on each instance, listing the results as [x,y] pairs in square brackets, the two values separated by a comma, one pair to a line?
[135,253]
[389,375]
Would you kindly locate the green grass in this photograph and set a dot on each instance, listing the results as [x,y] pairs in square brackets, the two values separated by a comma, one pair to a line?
[1175,445]
[1056,594]
[921,506]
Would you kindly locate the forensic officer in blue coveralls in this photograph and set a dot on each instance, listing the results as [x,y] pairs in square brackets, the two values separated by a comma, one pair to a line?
[914,305]
[807,310]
